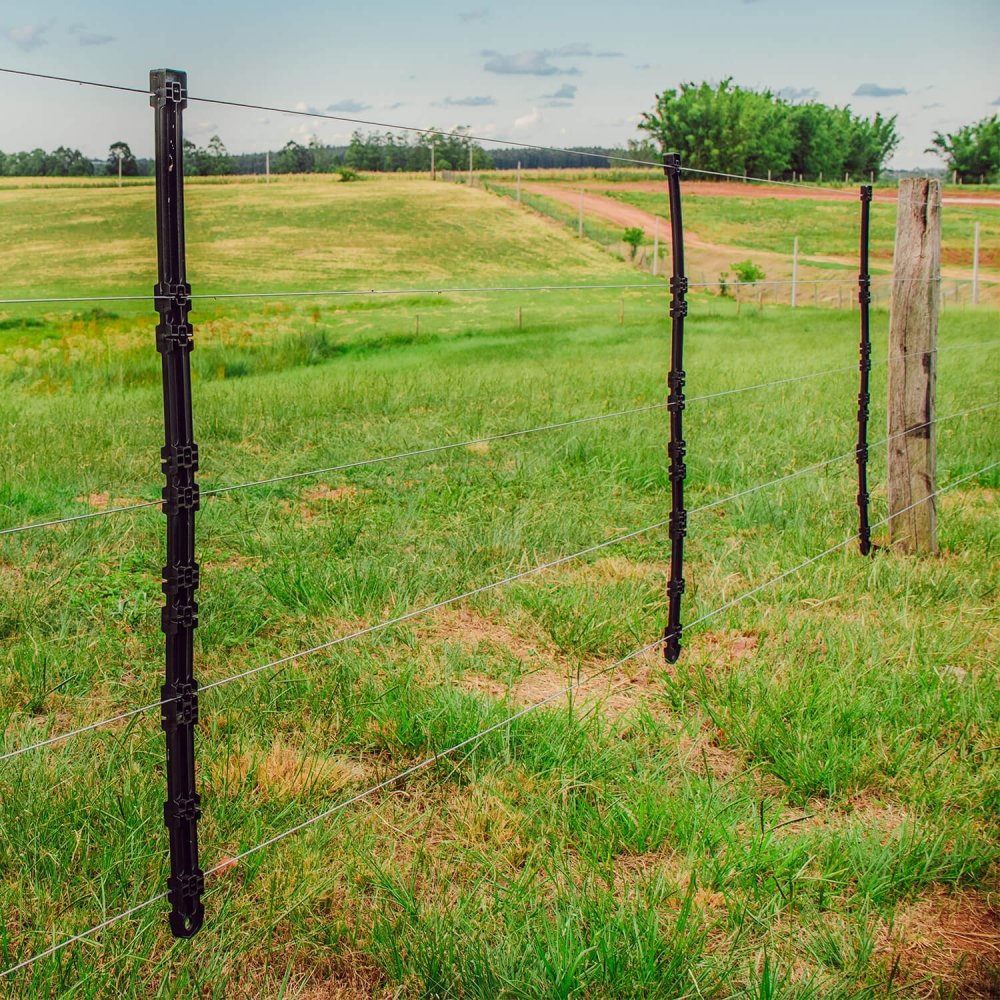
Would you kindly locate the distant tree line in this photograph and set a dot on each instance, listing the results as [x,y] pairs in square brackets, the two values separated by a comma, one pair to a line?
[718,127]
[61,162]
[730,129]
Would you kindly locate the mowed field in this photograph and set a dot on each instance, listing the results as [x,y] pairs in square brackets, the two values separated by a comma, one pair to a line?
[806,805]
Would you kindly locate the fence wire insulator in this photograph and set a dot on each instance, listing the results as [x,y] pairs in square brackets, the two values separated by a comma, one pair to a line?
[865,367]
[181,500]
[677,447]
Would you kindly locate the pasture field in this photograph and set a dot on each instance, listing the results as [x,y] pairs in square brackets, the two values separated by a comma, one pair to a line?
[806,805]
[824,228]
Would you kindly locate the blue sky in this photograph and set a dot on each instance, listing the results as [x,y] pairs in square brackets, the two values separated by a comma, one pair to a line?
[548,73]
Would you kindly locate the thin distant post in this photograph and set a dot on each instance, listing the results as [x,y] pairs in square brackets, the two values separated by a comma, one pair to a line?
[267,167]
[519,182]
[795,269]
[579,221]
[975,266]
[656,246]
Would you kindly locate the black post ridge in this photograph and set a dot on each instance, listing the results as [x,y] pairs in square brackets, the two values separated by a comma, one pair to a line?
[174,341]
[864,396]
[676,449]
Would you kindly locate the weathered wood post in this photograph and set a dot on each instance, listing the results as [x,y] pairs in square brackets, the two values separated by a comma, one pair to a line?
[916,296]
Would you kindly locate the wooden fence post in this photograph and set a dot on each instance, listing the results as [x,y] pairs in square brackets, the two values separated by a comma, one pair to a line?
[916,296]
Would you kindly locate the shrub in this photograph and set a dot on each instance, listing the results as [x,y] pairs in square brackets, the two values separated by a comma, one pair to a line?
[748,272]
[633,236]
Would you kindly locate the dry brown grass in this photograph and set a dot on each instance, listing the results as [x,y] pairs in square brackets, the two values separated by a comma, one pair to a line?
[946,939]
[283,772]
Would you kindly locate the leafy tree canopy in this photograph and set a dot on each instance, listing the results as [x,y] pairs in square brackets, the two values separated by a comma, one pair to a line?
[730,129]
[973,151]
[120,151]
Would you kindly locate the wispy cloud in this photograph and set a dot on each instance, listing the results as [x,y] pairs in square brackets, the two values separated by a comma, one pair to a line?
[468,102]
[567,92]
[85,37]
[349,106]
[533,62]
[874,90]
[798,93]
[641,66]
[561,98]
[478,14]
[938,104]
[28,37]
[539,62]
[996,103]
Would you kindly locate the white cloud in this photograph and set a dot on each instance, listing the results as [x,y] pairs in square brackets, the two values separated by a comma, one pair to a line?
[530,120]
[28,36]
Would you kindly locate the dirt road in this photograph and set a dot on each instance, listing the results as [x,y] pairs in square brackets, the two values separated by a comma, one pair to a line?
[709,258]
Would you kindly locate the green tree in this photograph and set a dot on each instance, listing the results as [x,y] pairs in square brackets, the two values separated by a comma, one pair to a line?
[323,158]
[293,158]
[973,151]
[120,150]
[217,159]
[732,130]
[65,162]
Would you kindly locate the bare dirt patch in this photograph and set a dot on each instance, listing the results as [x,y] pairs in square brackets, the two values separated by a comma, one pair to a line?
[104,501]
[946,939]
[355,977]
[612,694]
[722,649]
[323,492]
[473,631]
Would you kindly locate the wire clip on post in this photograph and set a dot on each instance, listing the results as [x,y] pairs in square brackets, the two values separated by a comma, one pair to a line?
[675,407]
[864,396]
[174,341]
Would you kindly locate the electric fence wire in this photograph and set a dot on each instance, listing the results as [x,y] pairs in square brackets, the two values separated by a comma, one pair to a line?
[435,449]
[484,588]
[576,685]
[654,285]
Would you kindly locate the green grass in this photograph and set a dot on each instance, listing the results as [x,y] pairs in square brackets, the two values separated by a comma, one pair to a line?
[818,768]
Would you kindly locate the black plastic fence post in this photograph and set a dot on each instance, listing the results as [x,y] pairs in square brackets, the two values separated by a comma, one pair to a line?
[864,397]
[174,341]
[675,406]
